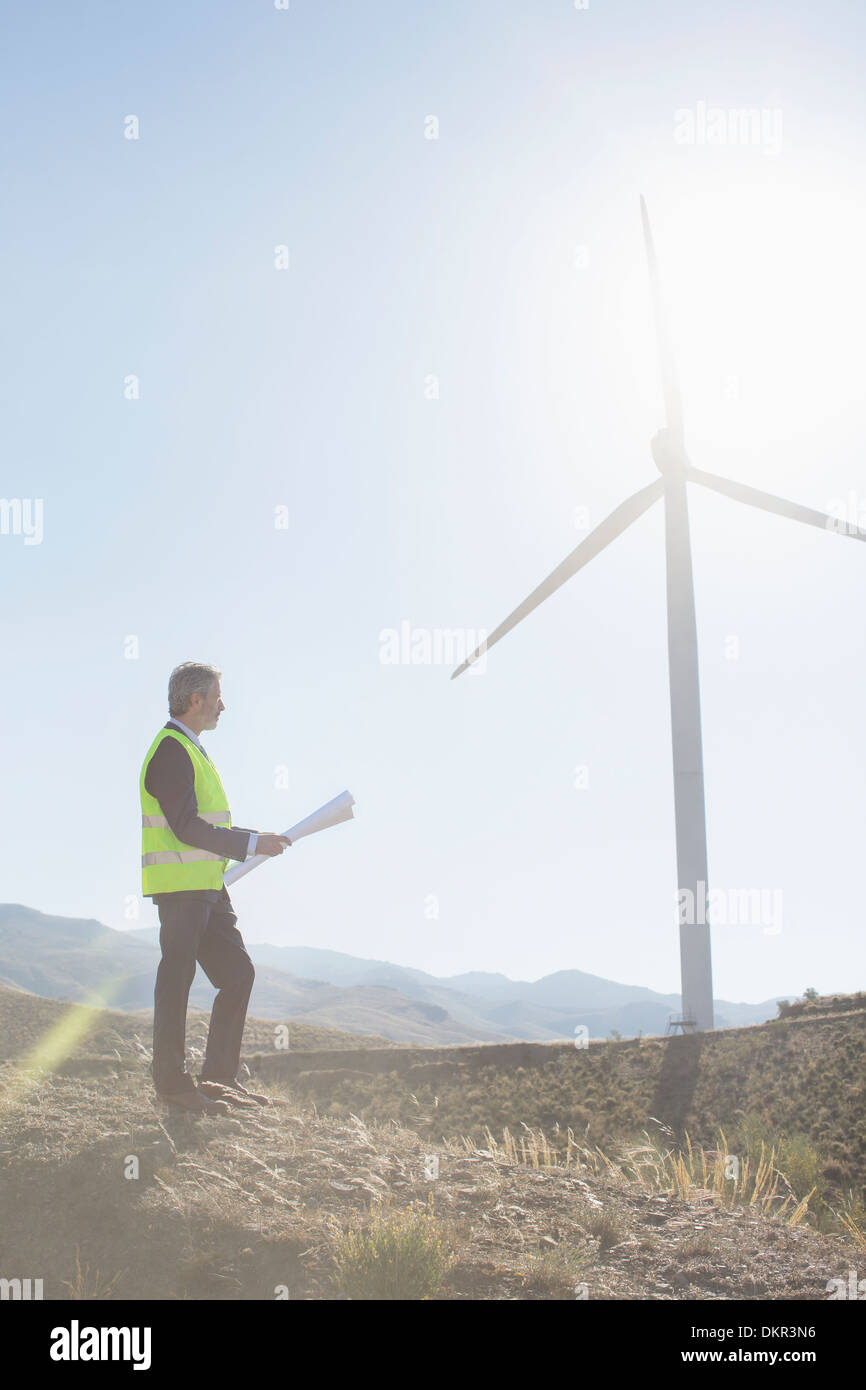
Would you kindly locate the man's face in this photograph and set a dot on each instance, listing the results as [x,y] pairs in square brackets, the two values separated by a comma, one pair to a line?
[212,706]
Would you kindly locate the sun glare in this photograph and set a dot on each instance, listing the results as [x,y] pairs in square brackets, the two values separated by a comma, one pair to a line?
[766,300]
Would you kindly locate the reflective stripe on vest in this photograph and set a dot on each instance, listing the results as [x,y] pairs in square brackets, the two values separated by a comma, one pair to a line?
[168,865]
[212,818]
[186,856]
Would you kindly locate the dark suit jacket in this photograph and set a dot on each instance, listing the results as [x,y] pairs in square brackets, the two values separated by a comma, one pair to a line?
[171,779]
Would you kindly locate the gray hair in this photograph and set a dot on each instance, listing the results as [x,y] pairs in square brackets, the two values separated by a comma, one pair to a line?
[184,680]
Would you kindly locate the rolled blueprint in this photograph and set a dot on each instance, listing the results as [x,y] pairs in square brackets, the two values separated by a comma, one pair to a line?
[332,813]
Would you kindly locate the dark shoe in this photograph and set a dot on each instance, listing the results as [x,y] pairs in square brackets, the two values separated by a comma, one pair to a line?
[252,1096]
[195,1102]
[216,1091]
[230,1088]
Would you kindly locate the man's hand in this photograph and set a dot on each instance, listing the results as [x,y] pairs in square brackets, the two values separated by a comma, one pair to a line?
[271,844]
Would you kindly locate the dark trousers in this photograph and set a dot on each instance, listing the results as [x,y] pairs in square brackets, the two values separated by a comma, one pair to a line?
[195,930]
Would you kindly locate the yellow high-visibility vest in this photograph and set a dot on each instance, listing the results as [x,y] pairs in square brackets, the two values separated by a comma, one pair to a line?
[167,864]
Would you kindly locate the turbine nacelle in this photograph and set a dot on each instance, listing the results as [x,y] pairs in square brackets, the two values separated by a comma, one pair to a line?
[669,454]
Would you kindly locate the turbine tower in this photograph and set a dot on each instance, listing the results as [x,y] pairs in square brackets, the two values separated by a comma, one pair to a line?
[669,453]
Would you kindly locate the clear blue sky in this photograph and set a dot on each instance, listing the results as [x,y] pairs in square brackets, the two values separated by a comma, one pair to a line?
[506,259]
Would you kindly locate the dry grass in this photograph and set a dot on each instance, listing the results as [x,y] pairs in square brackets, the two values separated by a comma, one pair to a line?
[85,1285]
[686,1170]
[795,1084]
[391,1254]
[851,1218]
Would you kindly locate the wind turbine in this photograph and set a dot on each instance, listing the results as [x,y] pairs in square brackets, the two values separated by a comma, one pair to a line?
[669,453]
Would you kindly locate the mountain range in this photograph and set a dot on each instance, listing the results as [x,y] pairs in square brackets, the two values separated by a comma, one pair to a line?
[80,959]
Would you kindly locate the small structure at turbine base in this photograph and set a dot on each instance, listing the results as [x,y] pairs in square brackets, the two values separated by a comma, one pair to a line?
[686,1025]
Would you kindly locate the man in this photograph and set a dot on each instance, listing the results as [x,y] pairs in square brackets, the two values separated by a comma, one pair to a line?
[187,839]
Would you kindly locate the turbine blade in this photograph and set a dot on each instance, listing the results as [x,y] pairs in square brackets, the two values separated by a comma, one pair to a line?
[670,377]
[606,531]
[768,503]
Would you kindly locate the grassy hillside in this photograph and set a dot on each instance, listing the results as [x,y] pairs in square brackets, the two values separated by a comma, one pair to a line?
[370,1153]
[105,1195]
[801,1077]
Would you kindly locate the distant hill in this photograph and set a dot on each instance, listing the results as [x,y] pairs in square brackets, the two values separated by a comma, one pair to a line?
[74,957]
[81,959]
[544,1010]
